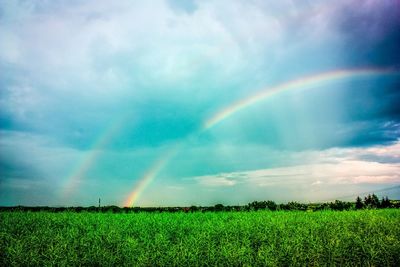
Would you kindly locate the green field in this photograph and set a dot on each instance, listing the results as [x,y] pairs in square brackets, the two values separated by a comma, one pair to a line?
[367,237]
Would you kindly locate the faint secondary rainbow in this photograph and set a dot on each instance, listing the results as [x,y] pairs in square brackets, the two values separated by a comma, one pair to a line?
[78,173]
[301,83]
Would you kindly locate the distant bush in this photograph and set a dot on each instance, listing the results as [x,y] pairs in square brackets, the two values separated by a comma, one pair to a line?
[369,202]
[340,205]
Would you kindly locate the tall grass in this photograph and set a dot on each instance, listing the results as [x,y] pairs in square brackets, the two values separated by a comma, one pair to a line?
[369,237]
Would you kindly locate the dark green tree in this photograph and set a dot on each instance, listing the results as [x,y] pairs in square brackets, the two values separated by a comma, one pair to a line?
[257,205]
[219,207]
[371,201]
[385,203]
[368,200]
[194,208]
[375,201]
[271,205]
[359,203]
[340,205]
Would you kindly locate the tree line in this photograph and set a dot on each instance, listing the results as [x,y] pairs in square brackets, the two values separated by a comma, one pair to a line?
[369,202]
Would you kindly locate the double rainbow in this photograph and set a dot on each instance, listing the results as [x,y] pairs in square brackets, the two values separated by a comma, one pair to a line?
[314,81]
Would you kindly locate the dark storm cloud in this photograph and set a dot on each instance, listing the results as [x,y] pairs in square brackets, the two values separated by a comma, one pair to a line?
[372,32]
[370,133]
[374,101]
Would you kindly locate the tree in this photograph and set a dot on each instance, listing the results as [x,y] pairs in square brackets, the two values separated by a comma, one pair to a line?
[367,200]
[375,201]
[371,201]
[340,205]
[385,203]
[294,206]
[257,205]
[359,203]
[194,208]
[219,207]
[271,205]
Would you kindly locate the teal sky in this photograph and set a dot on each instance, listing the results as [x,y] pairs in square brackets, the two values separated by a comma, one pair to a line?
[109,100]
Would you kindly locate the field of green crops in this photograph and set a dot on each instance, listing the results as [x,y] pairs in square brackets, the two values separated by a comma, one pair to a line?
[368,237]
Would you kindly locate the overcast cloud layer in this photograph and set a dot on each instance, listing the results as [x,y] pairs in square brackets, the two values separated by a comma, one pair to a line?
[96,92]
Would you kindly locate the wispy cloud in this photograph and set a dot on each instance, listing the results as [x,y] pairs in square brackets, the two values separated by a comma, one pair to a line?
[332,168]
[218,180]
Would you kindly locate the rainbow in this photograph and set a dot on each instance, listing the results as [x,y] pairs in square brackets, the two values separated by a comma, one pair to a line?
[150,175]
[301,83]
[78,173]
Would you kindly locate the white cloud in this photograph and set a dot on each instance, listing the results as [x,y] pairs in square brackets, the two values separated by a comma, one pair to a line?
[72,38]
[338,166]
[216,181]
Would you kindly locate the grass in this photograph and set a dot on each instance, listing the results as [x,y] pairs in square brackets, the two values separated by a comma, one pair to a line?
[352,238]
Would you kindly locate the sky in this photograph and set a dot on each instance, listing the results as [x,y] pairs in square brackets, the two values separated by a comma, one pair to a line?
[177,103]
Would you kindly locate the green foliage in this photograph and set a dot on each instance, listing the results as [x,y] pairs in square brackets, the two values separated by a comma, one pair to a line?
[359,203]
[262,238]
[219,207]
[385,203]
[262,205]
[340,205]
[371,201]
[294,206]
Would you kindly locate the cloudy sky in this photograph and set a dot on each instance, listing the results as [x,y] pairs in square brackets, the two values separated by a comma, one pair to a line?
[159,103]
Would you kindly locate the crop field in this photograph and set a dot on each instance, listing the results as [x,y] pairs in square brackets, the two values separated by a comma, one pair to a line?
[263,238]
